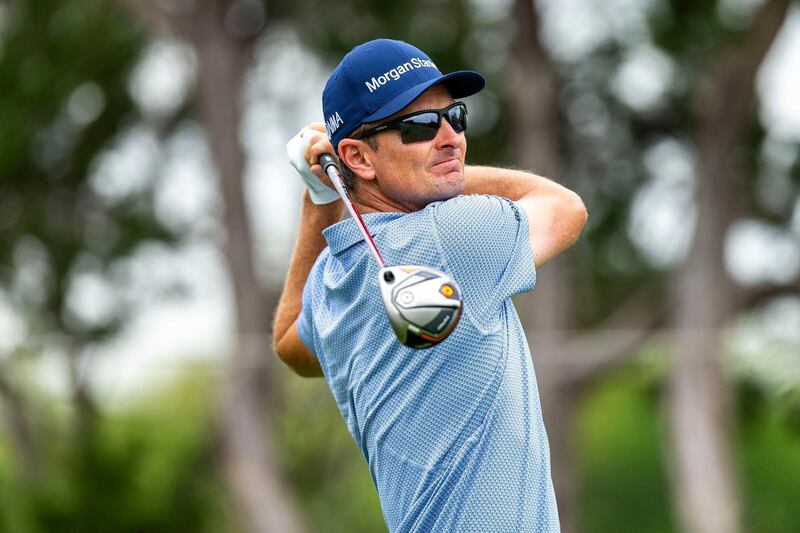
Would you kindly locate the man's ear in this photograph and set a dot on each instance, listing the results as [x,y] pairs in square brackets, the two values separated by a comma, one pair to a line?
[357,155]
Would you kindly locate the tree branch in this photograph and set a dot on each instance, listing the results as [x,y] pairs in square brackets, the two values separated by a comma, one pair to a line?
[86,409]
[750,297]
[588,355]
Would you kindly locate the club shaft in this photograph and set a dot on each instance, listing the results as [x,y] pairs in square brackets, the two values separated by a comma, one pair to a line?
[329,165]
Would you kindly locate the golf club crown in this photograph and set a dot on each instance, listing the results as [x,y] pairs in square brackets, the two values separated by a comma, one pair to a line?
[423,304]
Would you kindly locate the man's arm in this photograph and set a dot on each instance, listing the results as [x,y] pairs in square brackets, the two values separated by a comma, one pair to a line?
[310,242]
[556,215]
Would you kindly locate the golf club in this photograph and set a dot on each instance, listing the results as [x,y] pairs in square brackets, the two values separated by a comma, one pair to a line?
[423,304]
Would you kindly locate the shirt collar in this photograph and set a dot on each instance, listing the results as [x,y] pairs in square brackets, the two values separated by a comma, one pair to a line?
[345,233]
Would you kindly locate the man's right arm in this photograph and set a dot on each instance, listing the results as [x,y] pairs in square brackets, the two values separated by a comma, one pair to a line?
[314,218]
[310,242]
[556,215]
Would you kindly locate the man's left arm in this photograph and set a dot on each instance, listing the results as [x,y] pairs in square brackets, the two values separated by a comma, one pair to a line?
[556,215]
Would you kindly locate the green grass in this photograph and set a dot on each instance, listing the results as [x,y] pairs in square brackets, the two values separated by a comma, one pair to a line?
[623,481]
[330,477]
[769,458]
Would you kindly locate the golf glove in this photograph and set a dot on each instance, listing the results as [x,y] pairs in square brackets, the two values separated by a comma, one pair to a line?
[296,148]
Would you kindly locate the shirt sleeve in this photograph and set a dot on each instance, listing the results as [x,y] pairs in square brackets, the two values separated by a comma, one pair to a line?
[486,245]
[304,326]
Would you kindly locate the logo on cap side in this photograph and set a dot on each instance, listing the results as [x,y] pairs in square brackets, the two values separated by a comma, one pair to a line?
[394,74]
[332,123]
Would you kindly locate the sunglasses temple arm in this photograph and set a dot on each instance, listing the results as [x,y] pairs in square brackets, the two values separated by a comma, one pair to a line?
[328,164]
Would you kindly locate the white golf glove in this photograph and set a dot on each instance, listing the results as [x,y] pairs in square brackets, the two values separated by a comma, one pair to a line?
[296,148]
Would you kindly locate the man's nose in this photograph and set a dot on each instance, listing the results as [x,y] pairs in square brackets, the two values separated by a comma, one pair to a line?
[447,136]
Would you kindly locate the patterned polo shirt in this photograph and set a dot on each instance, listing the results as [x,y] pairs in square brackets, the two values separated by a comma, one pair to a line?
[453,435]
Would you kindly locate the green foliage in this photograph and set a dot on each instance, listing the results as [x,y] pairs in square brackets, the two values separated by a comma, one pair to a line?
[693,34]
[64,69]
[689,29]
[323,463]
[769,456]
[146,469]
[624,482]
[151,467]
[420,22]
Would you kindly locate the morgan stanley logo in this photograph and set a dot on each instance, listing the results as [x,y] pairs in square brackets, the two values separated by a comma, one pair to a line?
[396,72]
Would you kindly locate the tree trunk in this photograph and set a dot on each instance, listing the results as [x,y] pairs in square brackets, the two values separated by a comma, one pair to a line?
[247,456]
[546,315]
[699,402]
[21,437]
[257,489]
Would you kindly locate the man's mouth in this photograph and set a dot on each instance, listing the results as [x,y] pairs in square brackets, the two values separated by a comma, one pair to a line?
[447,163]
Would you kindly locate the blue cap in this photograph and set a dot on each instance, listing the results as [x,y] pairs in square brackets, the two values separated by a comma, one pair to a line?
[377,79]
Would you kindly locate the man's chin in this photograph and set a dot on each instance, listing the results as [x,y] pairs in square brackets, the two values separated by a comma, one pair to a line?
[452,184]
[455,179]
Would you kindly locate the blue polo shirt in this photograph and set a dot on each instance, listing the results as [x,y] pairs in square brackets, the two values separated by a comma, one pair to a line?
[453,435]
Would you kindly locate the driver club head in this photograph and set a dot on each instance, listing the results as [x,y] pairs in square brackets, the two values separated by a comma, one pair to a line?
[423,304]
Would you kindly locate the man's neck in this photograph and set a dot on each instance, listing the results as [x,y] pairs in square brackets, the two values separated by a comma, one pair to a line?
[370,199]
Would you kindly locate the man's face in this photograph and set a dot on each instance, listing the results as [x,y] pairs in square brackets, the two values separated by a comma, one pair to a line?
[419,173]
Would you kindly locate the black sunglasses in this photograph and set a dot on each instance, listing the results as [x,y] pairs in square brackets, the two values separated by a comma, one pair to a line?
[422,125]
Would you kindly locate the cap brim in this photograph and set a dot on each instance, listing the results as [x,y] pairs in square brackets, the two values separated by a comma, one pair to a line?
[461,84]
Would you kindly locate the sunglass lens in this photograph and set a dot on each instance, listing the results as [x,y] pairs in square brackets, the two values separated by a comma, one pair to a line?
[457,117]
[422,127]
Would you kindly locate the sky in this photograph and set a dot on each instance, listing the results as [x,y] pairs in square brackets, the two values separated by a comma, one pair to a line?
[170,336]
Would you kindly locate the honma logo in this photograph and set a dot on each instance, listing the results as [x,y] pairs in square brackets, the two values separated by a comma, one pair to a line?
[332,123]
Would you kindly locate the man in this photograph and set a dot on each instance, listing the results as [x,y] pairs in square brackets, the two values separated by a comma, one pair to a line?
[453,435]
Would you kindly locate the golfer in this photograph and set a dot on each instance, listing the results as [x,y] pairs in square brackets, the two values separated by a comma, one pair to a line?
[453,434]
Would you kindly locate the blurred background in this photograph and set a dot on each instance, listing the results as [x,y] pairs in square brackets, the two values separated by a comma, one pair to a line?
[148,210]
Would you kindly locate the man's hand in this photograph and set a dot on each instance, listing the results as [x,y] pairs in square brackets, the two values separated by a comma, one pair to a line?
[304,150]
[317,144]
